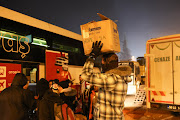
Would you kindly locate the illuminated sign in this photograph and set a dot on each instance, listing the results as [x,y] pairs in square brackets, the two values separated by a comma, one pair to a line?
[2,71]
[15,43]
[2,84]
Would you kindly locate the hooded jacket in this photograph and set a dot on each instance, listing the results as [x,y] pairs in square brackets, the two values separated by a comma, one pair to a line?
[15,101]
[46,105]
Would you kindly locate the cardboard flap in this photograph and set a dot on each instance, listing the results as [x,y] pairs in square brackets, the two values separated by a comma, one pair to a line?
[91,22]
[103,17]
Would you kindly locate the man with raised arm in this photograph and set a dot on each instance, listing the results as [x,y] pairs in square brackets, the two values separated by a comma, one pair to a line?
[112,84]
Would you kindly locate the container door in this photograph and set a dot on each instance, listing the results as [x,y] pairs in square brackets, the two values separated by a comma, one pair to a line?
[161,73]
[176,64]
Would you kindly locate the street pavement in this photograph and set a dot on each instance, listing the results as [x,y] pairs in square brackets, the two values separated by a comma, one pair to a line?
[135,111]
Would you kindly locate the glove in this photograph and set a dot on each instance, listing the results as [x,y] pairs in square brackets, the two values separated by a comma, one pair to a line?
[96,49]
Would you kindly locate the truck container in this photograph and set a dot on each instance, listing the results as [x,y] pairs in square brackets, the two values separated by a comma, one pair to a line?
[163,72]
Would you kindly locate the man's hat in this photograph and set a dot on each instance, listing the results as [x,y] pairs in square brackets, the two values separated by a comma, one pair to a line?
[64,84]
[55,81]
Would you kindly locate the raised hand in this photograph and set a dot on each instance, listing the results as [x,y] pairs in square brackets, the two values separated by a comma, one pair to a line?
[96,49]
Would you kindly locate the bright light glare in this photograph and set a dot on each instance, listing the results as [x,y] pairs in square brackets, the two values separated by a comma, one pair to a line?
[133,58]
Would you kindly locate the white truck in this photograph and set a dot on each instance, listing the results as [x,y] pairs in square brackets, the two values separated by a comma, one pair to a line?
[163,73]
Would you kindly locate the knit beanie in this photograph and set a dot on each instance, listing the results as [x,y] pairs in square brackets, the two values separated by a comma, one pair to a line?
[111,62]
[64,84]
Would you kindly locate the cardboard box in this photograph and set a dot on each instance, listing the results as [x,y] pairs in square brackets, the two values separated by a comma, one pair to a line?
[104,31]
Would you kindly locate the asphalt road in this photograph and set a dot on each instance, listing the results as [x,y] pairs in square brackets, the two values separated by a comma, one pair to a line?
[142,113]
[134,111]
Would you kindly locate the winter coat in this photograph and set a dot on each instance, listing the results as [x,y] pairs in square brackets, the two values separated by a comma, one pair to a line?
[112,90]
[69,97]
[46,105]
[15,101]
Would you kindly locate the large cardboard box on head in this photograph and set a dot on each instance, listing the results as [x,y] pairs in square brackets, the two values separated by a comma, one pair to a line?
[105,31]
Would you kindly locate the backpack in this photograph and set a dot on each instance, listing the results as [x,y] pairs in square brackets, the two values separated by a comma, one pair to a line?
[63,112]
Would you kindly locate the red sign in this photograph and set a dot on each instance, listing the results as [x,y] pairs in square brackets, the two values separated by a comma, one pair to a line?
[57,65]
[7,73]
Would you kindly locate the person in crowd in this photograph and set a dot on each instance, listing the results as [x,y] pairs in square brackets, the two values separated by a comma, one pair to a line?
[51,104]
[68,94]
[50,83]
[85,102]
[16,100]
[50,98]
[92,100]
[31,112]
[112,84]
[41,87]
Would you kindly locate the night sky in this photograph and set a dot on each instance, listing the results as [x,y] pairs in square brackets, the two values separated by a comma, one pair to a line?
[137,20]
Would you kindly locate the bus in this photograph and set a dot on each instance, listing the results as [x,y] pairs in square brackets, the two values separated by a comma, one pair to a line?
[37,49]
[135,76]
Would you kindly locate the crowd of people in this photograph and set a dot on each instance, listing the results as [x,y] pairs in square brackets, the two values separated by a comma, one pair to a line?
[57,100]
[52,97]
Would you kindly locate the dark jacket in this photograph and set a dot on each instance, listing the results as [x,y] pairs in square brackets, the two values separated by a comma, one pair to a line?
[70,98]
[46,105]
[15,101]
